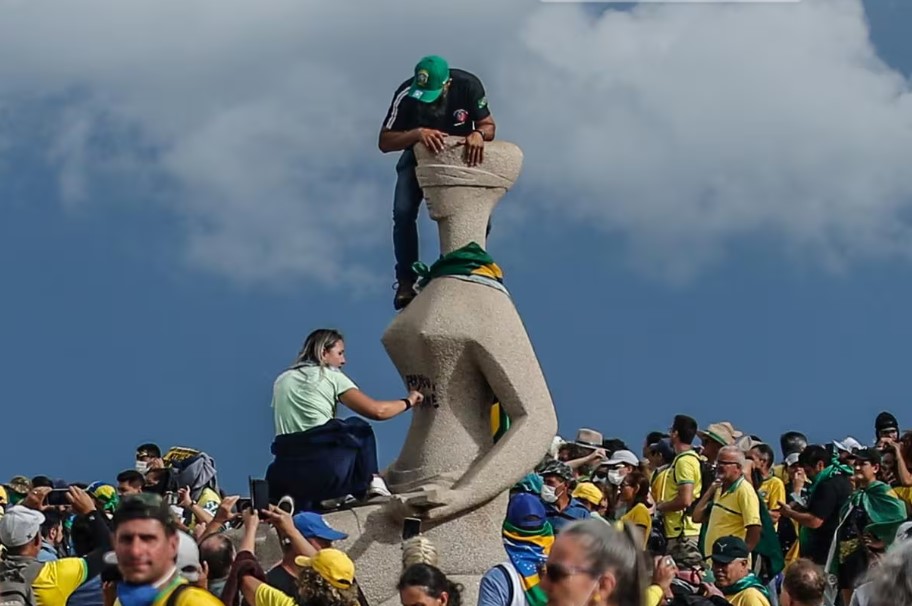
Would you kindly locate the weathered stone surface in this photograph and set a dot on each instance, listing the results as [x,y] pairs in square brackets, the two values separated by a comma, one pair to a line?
[463,345]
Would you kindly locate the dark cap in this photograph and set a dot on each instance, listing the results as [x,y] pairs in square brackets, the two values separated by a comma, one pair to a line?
[729,549]
[526,511]
[559,469]
[884,421]
[663,447]
[872,455]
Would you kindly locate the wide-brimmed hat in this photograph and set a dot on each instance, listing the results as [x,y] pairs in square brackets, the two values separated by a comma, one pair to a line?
[589,438]
[723,433]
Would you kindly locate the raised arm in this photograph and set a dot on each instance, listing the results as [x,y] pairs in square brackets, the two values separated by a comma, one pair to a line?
[378,410]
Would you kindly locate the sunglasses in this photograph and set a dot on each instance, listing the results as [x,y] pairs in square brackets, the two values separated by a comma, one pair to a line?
[558,572]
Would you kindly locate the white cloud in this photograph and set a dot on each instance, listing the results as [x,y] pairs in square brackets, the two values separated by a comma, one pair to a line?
[682,127]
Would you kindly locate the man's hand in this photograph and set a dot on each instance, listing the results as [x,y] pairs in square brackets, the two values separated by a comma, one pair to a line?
[36,497]
[786,510]
[183,497]
[415,397]
[279,519]
[82,502]
[434,140]
[474,152]
[664,573]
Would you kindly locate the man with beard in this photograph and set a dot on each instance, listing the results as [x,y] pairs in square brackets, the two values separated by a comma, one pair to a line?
[436,103]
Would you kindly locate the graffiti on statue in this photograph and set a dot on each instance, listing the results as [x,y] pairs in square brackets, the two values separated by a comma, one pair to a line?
[423,384]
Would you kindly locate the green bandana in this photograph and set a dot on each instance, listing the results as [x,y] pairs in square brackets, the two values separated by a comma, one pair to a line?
[470,260]
[746,583]
[883,508]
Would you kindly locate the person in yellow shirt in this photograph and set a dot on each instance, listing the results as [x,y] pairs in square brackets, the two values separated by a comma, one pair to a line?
[772,488]
[733,576]
[682,489]
[635,495]
[146,549]
[730,507]
[51,583]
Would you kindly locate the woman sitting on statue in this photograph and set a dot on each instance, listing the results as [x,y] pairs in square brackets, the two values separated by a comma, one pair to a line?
[319,457]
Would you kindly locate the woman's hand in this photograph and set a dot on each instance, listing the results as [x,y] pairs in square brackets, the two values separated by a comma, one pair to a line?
[415,397]
[664,573]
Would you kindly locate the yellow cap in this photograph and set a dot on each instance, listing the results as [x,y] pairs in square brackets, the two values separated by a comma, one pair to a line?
[331,564]
[588,491]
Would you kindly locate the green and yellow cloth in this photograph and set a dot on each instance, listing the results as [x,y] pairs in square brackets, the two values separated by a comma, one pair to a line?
[470,260]
[527,549]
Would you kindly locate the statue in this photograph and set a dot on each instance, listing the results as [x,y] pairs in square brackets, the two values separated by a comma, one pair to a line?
[462,344]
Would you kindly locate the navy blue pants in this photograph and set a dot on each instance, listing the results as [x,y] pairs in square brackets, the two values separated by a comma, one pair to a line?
[331,461]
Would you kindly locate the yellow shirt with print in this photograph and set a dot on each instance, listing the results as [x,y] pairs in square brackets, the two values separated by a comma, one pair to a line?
[639,516]
[904,494]
[772,491]
[194,596]
[267,595]
[57,581]
[748,597]
[685,469]
[733,510]
[209,501]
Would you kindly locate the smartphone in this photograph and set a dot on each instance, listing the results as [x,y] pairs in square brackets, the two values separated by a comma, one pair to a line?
[411,527]
[57,497]
[259,494]
[243,504]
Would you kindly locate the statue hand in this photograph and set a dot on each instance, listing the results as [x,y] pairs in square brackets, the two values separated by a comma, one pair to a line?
[442,503]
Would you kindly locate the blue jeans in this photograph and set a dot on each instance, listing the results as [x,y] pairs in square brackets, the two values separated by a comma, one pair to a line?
[406,203]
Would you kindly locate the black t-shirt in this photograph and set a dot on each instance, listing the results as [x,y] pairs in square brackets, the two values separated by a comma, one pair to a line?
[464,105]
[825,503]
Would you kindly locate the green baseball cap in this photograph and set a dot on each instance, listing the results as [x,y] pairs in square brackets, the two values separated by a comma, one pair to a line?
[431,73]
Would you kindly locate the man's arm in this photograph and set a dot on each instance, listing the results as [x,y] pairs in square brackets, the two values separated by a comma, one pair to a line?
[700,513]
[753,537]
[681,501]
[807,520]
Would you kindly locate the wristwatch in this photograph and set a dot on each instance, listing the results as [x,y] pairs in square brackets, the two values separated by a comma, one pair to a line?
[480,132]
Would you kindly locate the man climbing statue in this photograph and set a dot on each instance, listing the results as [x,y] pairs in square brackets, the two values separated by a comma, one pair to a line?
[435,103]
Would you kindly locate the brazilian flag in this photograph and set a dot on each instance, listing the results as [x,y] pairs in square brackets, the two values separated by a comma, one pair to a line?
[500,422]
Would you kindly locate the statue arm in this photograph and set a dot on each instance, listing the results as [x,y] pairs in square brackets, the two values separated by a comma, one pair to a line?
[512,371]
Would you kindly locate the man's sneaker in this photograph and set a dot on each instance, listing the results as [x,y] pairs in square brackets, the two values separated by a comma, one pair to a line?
[334,504]
[286,504]
[378,488]
[405,292]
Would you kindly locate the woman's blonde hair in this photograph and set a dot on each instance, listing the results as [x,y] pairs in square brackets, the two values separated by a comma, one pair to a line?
[314,590]
[315,345]
[418,550]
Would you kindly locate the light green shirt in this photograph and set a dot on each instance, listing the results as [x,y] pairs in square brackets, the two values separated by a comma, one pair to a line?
[306,397]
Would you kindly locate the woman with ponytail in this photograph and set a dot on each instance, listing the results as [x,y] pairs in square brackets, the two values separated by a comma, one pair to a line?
[595,564]
[426,585]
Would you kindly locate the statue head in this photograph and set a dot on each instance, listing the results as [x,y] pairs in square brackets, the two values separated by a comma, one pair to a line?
[451,187]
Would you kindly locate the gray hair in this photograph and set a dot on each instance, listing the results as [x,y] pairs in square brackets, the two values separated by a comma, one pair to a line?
[618,549]
[317,343]
[891,579]
[736,453]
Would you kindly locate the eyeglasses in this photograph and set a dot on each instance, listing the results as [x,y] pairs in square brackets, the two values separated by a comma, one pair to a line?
[728,463]
[558,572]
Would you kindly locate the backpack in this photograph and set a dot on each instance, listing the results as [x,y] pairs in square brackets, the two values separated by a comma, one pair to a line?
[16,580]
[707,475]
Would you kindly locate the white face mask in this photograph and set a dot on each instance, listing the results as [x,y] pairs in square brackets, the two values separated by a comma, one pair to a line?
[615,477]
[142,467]
[549,494]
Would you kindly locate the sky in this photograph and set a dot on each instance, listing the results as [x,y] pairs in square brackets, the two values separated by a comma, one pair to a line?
[713,216]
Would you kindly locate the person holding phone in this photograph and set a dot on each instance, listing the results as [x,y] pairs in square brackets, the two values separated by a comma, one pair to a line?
[318,456]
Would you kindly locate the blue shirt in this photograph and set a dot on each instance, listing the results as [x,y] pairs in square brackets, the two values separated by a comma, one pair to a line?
[495,588]
[48,552]
[574,511]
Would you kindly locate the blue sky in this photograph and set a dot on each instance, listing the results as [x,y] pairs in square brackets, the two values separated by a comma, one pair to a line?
[113,334]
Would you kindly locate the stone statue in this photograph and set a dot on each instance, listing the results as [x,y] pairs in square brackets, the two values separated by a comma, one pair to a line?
[462,344]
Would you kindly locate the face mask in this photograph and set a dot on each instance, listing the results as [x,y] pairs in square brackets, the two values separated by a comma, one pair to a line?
[142,467]
[136,595]
[615,477]
[549,494]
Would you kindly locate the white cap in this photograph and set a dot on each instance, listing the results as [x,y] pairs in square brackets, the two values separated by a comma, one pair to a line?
[623,457]
[791,459]
[19,526]
[848,445]
[188,557]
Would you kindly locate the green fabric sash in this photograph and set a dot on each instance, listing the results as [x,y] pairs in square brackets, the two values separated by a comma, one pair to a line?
[884,509]
[527,549]
[470,260]
[835,468]
[746,583]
